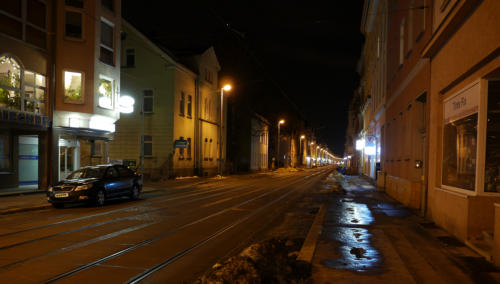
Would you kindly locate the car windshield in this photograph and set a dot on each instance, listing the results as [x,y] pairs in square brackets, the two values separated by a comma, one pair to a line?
[86,173]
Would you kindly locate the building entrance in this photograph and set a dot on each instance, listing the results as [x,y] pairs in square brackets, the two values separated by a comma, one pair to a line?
[69,160]
[28,161]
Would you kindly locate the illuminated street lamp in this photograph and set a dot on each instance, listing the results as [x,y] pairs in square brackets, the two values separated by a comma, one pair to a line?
[226,88]
[282,121]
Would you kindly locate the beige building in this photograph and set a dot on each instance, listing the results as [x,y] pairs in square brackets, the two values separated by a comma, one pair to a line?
[464,145]
[176,108]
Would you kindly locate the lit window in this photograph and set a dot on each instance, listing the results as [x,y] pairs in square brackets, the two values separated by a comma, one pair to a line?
[105,93]
[73,87]
[107,43]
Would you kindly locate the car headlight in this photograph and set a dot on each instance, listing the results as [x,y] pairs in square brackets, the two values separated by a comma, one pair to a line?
[50,189]
[83,187]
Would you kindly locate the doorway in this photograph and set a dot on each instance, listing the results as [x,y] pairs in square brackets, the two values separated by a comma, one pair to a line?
[69,161]
[28,161]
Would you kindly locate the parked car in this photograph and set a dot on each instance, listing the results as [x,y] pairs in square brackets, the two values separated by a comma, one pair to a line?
[95,184]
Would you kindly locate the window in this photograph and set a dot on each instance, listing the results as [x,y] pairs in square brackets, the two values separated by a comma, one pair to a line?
[181,150]
[130,57]
[5,163]
[108,4]
[105,93]
[29,98]
[205,150]
[208,76]
[181,104]
[148,145]
[73,87]
[188,149]
[401,41]
[107,43]
[74,19]
[189,106]
[206,108]
[96,148]
[210,150]
[24,20]
[34,92]
[460,139]
[147,101]
[492,162]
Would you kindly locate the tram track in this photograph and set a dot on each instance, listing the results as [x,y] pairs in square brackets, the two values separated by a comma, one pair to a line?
[181,253]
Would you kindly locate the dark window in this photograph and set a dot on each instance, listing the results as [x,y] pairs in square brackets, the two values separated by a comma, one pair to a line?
[36,37]
[148,101]
[181,103]
[130,60]
[189,148]
[12,7]
[36,13]
[11,27]
[107,44]
[5,152]
[74,3]
[190,106]
[74,24]
[108,4]
[148,145]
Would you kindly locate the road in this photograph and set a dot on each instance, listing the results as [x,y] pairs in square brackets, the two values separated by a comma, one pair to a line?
[170,235]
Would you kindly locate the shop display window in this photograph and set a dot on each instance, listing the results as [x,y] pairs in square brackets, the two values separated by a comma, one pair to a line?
[73,87]
[492,157]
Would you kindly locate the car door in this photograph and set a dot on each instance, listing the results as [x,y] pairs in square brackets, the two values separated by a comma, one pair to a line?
[126,179]
[112,182]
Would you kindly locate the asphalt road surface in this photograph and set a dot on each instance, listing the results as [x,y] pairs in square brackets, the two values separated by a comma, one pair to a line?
[170,235]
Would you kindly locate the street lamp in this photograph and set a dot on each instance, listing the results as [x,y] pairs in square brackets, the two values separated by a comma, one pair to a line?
[300,150]
[226,87]
[282,121]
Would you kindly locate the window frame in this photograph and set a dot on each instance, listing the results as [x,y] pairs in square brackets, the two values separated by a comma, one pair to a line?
[148,141]
[189,106]
[103,45]
[129,51]
[113,83]
[82,86]
[150,95]
[182,104]
[80,11]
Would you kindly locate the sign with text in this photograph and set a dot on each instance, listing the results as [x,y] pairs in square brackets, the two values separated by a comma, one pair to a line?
[180,143]
[463,104]
[24,118]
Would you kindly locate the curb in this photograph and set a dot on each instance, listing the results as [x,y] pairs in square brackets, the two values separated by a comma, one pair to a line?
[24,209]
[307,251]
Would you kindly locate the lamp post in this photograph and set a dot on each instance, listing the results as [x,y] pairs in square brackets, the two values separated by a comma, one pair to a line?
[282,121]
[300,149]
[225,88]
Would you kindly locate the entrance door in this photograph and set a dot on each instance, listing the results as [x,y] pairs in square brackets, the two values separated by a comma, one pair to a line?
[28,161]
[68,157]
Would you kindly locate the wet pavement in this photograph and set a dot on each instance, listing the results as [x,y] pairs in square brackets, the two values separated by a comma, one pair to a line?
[368,237]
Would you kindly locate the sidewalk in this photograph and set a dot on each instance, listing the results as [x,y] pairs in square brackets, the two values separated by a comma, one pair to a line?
[367,237]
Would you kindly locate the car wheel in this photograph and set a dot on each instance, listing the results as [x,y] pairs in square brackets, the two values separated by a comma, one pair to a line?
[58,205]
[100,197]
[134,194]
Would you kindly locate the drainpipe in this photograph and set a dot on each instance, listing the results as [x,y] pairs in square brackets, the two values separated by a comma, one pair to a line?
[197,129]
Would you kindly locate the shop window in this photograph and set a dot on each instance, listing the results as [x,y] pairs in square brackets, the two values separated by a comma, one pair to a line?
[10,83]
[459,153]
[5,161]
[189,106]
[107,43]
[147,101]
[492,162]
[130,58]
[105,93]
[181,104]
[34,92]
[148,145]
[73,82]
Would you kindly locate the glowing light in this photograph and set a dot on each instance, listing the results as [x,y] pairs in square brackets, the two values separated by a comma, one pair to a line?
[360,144]
[102,123]
[370,150]
[127,104]
[227,87]
[74,122]
[282,121]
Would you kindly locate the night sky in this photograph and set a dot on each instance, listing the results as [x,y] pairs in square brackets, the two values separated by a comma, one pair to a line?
[303,56]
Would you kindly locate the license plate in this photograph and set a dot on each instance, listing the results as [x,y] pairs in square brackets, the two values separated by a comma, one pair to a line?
[61,195]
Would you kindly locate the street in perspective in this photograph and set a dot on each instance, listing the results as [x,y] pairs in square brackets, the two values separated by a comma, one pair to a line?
[254,142]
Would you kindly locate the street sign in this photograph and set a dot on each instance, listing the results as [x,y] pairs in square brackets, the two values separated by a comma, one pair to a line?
[180,144]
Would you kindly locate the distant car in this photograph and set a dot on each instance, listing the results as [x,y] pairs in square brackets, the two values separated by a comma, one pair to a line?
[95,184]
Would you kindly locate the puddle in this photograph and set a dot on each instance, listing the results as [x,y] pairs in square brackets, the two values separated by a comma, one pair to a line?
[392,210]
[356,251]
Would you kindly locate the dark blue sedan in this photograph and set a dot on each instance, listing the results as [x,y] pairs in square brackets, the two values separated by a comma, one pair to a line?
[95,184]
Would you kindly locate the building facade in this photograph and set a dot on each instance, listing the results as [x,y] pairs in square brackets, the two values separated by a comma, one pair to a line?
[26,60]
[174,123]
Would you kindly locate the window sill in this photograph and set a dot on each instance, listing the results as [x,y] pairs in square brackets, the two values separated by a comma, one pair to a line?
[189,116]
[180,114]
